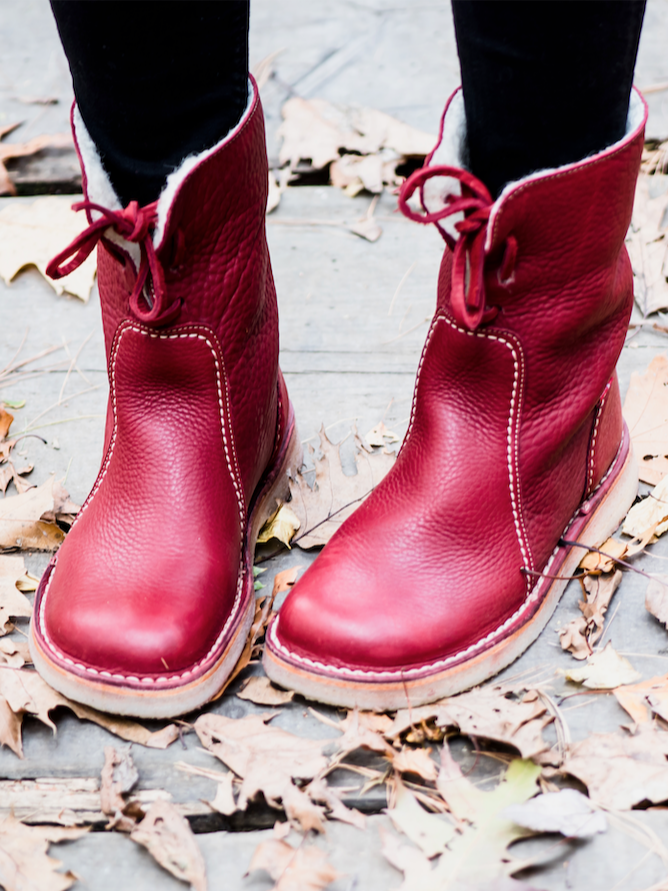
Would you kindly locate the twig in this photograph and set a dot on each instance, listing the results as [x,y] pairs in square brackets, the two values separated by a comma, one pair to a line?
[400,286]
[406,333]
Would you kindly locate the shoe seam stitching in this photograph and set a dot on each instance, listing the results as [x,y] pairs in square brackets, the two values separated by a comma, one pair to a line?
[223,404]
[401,674]
[592,447]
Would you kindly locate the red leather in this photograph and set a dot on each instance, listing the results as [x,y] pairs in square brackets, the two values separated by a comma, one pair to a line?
[501,448]
[606,434]
[153,578]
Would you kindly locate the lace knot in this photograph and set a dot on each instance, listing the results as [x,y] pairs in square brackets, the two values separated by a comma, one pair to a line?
[475,203]
[135,224]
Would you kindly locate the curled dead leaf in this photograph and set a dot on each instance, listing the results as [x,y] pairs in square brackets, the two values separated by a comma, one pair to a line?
[656,599]
[415,761]
[643,700]
[319,791]
[25,692]
[485,712]
[301,810]
[604,670]
[281,526]
[334,496]
[167,836]
[265,757]
[27,521]
[646,413]
[261,691]
[32,233]
[651,512]
[579,635]
[621,770]
[13,604]
[24,858]
[293,869]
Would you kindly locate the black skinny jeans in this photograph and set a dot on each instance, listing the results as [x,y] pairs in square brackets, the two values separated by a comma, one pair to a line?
[545,83]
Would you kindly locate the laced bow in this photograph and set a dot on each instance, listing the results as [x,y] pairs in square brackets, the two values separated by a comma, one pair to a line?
[135,224]
[475,202]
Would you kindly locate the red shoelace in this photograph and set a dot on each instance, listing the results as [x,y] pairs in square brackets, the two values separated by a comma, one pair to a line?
[134,224]
[475,202]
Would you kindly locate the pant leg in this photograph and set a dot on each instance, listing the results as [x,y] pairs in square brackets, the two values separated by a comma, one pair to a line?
[545,83]
[155,80]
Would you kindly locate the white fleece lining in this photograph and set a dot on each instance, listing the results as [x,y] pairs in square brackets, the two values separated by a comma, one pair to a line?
[176,179]
[98,185]
[100,191]
[451,151]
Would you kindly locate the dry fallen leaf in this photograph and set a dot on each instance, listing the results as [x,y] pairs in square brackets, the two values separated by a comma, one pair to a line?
[32,234]
[644,699]
[9,150]
[261,691]
[300,869]
[621,770]
[364,146]
[380,435]
[282,526]
[476,855]
[5,421]
[647,247]
[579,635]
[650,513]
[485,712]
[431,833]
[167,836]
[656,599]
[14,653]
[596,562]
[119,776]
[301,810]
[24,861]
[604,670]
[265,757]
[567,811]
[12,602]
[224,801]
[646,413]
[318,791]
[25,692]
[415,761]
[21,518]
[418,874]
[283,581]
[334,496]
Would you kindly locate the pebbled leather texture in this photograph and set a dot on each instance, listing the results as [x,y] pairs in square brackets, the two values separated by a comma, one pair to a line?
[502,446]
[150,581]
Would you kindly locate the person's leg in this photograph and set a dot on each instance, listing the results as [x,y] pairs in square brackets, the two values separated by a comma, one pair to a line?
[155,83]
[544,84]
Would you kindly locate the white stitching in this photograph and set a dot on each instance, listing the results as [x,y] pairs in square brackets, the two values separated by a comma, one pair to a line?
[401,674]
[223,403]
[513,420]
[592,447]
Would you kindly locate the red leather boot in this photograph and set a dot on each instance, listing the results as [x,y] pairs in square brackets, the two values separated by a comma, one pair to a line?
[146,607]
[516,444]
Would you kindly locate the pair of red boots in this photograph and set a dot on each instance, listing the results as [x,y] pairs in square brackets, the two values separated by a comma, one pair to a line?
[454,564]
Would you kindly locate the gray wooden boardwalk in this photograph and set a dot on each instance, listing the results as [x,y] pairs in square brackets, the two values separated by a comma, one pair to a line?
[349,349]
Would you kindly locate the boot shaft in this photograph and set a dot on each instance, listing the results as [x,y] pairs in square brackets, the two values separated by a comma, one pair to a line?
[210,244]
